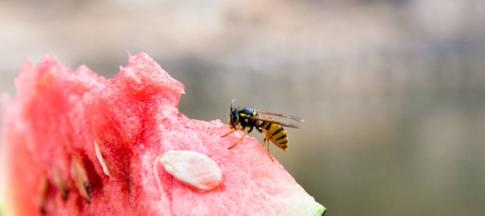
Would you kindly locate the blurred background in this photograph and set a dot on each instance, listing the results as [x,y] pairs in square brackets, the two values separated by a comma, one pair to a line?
[393,92]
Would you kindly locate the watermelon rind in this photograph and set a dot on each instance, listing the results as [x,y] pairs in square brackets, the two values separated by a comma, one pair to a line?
[1,209]
[305,207]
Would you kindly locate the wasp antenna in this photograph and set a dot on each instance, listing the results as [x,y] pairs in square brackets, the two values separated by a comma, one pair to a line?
[232,104]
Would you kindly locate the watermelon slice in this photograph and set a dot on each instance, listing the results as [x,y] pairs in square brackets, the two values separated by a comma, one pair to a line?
[80,144]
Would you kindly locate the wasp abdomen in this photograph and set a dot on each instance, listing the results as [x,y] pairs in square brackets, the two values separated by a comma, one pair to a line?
[276,134]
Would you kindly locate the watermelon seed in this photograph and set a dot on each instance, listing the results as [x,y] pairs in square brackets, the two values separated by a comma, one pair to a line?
[60,184]
[101,159]
[80,178]
[192,168]
[44,189]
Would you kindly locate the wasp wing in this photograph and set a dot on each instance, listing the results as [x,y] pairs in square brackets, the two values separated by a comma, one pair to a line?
[281,115]
[286,124]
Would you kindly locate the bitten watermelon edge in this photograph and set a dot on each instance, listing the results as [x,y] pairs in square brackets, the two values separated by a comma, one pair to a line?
[76,143]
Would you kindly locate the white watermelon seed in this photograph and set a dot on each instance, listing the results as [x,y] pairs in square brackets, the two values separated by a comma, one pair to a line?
[101,159]
[192,168]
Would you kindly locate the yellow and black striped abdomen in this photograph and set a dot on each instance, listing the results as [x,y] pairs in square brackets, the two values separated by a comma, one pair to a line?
[276,134]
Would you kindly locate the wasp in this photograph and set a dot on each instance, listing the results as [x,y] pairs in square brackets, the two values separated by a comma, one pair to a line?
[246,119]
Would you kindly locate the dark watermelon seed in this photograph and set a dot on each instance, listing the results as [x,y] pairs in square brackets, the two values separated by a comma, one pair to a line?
[61,185]
[44,189]
[80,177]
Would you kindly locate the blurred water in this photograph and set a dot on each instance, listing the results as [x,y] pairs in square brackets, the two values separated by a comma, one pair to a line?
[393,92]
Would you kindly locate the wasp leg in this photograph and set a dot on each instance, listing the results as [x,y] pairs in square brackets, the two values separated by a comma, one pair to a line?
[266,145]
[250,129]
[240,139]
[230,132]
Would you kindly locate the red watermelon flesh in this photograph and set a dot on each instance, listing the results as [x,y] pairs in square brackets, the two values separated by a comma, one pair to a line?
[58,114]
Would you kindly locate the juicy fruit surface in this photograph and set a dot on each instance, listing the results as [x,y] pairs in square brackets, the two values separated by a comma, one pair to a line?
[58,115]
